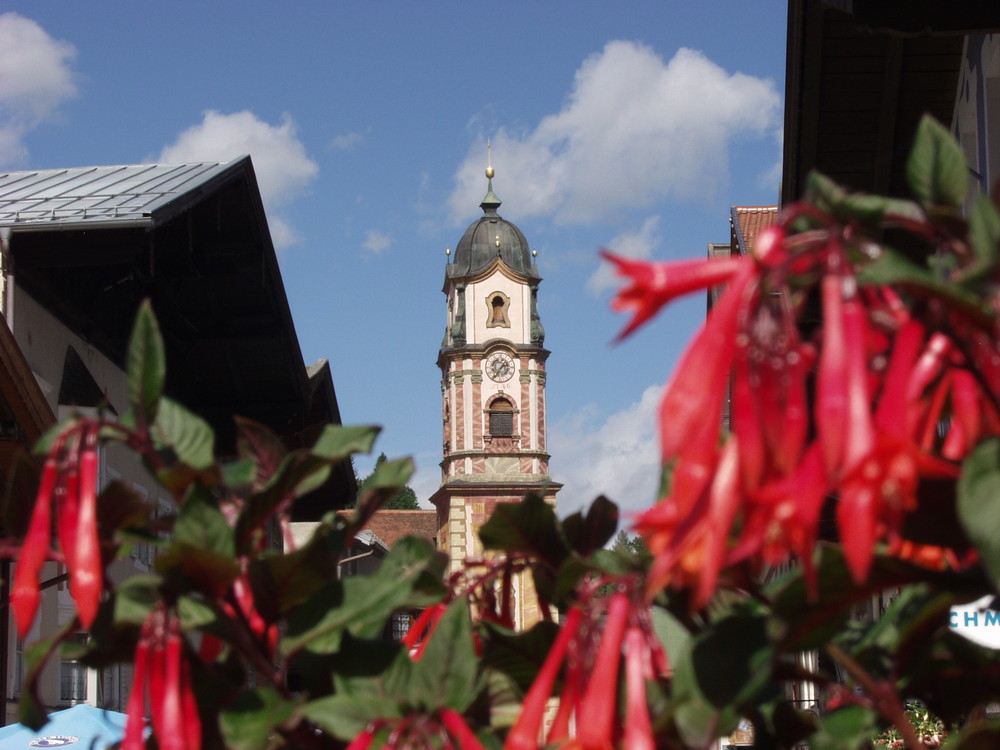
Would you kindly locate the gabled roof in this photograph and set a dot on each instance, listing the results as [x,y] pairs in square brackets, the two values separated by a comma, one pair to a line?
[389,526]
[87,196]
[89,244]
[746,223]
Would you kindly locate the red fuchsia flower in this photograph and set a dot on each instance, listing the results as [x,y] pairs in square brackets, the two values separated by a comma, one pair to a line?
[422,629]
[84,557]
[654,284]
[691,548]
[25,595]
[442,728]
[599,701]
[266,633]
[364,740]
[694,395]
[69,483]
[525,733]
[459,730]
[163,673]
[769,247]
[589,647]
[831,387]
[638,727]
[783,516]
[966,423]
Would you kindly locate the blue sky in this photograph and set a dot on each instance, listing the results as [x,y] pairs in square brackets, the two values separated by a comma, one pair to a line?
[631,125]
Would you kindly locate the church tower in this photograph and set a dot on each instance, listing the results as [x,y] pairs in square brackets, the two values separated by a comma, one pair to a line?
[492,362]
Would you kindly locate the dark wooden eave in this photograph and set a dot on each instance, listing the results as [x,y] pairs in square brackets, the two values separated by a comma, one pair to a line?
[856,89]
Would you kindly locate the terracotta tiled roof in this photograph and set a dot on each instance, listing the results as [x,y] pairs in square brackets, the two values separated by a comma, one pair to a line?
[392,525]
[746,223]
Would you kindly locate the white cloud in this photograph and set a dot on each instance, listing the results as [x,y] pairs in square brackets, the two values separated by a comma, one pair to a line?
[346,141]
[283,168]
[618,457]
[35,78]
[375,241]
[638,244]
[634,129]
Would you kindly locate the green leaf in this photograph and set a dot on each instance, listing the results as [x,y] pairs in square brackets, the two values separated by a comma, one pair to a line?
[845,206]
[338,442]
[846,728]
[146,365]
[410,576]
[32,711]
[984,736]
[446,674]
[202,550]
[731,659]
[259,445]
[299,473]
[893,268]
[519,655]
[719,674]
[135,597]
[201,524]
[195,612]
[384,484]
[186,565]
[302,471]
[44,443]
[282,582]
[936,167]
[528,527]
[984,235]
[588,533]
[673,636]
[240,473]
[346,716]
[363,666]
[248,723]
[183,436]
[978,509]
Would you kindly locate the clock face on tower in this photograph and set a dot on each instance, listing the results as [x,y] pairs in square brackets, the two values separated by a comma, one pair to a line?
[499,367]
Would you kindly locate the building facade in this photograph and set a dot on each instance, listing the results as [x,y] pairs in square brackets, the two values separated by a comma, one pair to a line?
[81,248]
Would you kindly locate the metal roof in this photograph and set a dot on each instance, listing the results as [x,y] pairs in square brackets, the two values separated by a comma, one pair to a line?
[88,196]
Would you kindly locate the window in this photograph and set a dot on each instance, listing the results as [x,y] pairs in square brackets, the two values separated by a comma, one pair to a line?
[399,626]
[497,304]
[18,665]
[501,418]
[73,676]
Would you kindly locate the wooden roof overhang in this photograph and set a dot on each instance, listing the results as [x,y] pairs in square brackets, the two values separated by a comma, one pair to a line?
[859,75]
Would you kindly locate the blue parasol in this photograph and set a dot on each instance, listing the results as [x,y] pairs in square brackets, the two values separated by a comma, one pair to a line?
[78,728]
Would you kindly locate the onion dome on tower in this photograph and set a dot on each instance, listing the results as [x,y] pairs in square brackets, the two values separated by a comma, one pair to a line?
[489,245]
[491,237]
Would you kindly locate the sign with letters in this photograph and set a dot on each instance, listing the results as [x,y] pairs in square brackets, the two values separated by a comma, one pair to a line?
[977,622]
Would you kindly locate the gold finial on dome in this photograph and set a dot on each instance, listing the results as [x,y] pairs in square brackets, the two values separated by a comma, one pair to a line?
[489,173]
[489,160]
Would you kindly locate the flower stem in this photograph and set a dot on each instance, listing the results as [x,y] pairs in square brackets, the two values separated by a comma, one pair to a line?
[884,697]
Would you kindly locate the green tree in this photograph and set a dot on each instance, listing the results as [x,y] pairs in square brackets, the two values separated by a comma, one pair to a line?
[632,544]
[405,499]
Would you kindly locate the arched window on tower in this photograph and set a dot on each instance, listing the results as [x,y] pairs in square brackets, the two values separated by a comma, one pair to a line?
[501,418]
[498,303]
